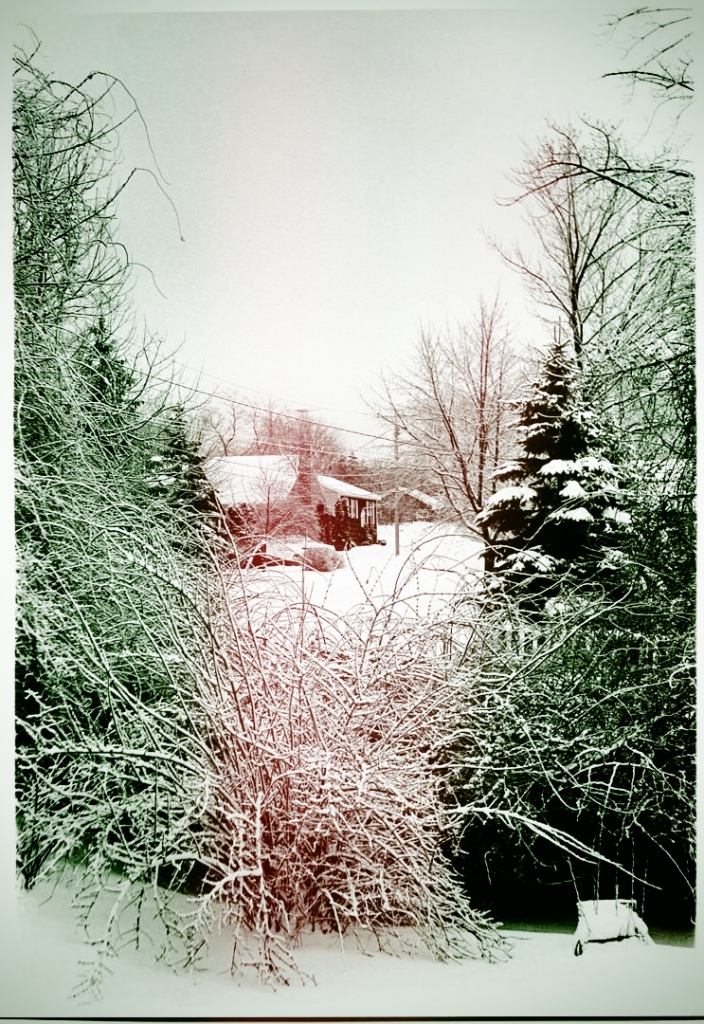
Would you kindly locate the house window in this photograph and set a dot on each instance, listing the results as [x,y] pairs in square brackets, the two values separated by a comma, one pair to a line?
[354,508]
[369,514]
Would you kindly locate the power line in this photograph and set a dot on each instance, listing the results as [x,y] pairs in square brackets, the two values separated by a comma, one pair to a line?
[265,394]
[389,440]
[259,408]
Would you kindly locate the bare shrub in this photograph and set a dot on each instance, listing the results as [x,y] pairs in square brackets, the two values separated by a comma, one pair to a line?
[326,800]
[110,637]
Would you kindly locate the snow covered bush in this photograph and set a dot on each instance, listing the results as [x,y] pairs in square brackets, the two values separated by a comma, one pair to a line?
[325,802]
[110,637]
[322,557]
[576,754]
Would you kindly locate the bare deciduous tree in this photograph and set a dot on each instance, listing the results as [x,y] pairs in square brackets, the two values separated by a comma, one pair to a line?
[234,425]
[586,239]
[658,50]
[451,407]
[110,752]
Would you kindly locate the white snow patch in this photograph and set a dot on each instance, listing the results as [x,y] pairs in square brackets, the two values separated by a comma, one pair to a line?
[618,516]
[590,463]
[577,515]
[557,467]
[535,559]
[507,470]
[572,489]
[433,563]
[42,966]
[507,495]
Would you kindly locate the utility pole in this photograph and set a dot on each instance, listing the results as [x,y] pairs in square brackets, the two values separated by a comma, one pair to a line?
[305,457]
[397,539]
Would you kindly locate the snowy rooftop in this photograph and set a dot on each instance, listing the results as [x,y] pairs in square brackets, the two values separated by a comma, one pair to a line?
[329,483]
[425,499]
[266,479]
[430,500]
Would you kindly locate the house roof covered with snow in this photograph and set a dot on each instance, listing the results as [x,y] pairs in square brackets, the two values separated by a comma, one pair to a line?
[268,479]
[428,500]
[345,490]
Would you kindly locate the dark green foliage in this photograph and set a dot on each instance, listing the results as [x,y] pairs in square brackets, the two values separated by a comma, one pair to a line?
[339,529]
[180,468]
[576,763]
[559,507]
[342,526]
[580,726]
[105,627]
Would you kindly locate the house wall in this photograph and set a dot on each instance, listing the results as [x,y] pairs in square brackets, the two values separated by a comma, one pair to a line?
[356,523]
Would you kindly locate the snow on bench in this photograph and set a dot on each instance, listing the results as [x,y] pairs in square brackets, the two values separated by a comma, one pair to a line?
[608,921]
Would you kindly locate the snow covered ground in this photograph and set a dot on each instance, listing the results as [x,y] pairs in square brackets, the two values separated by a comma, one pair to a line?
[433,562]
[542,978]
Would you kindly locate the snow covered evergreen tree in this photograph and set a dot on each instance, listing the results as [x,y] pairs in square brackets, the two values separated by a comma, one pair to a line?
[176,466]
[559,506]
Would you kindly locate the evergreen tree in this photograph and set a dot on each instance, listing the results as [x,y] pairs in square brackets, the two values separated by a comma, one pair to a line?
[559,507]
[578,742]
[176,467]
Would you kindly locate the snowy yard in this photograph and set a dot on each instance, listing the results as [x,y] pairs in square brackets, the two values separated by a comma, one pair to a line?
[434,561]
[542,978]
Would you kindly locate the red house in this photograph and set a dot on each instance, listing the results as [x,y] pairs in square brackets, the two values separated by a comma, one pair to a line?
[275,495]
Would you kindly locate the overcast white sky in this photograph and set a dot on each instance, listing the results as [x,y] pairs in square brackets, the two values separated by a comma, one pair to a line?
[333,172]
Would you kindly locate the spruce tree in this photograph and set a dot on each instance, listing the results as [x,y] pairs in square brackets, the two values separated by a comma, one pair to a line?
[559,507]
